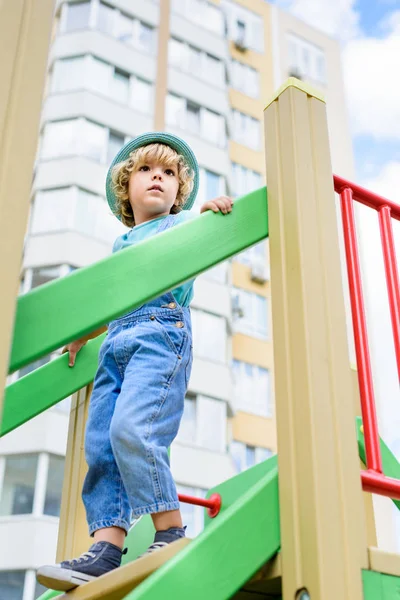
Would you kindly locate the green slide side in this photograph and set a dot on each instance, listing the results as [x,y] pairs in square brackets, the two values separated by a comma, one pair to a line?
[391,466]
[233,546]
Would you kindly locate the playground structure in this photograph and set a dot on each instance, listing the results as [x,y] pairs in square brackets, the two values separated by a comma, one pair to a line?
[308,534]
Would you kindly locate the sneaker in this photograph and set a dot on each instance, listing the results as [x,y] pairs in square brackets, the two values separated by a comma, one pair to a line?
[101,558]
[153,548]
[164,538]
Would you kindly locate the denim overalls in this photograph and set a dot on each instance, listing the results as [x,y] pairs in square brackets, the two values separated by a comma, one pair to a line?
[135,411]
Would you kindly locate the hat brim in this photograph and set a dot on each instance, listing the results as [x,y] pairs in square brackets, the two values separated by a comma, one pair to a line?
[156,137]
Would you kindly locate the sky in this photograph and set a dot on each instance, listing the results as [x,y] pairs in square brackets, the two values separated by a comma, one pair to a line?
[369,34]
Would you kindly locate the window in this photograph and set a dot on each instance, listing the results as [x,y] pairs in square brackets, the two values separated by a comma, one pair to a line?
[187,428]
[120,86]
[253,256]
[245,79]
[192,117]
[124,29]
[246,130]
[305,60]
[43,275]
[145,37]
[211,185]
[141,95]
[68,74]
[204,423]
[192,516]
[105,18]
[203,13]
[115,143]
[254,310]
[245,180]
[209,335]
[78,14]
[12,585]
[183,113]
[196,62]
[246,456]
[55,477]
[244,27]
[18,488]
[71,209]
[252,392]
[75,137]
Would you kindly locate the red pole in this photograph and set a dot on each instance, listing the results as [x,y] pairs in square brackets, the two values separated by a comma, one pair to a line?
[213,503]
[375,483]
[392,276]
[372,447]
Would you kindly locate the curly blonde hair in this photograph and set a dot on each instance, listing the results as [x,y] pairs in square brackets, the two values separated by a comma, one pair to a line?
[161,153]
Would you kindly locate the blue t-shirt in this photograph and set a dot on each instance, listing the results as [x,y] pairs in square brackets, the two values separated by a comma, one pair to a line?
[182,294]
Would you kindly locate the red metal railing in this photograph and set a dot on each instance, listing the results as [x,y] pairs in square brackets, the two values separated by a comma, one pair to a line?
[213,504]
[373,479]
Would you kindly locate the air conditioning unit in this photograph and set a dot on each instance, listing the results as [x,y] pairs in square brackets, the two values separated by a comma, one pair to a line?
[237,308]
[240,44]
[259,272]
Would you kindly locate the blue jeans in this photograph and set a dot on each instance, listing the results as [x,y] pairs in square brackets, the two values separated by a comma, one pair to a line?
[134,414]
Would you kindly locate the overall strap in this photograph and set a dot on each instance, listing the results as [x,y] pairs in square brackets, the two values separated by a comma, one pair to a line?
[166,223]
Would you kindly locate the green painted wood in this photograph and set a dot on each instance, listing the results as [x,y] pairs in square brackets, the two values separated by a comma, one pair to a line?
[63,310]
[379,586]
[391,466]
[372,585]
[47,385]
[233,488]
[228,552]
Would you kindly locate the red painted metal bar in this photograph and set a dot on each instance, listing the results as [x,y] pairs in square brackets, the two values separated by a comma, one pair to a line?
[366,197]
[375,483]
[372,447]
[392,276]
[213,503]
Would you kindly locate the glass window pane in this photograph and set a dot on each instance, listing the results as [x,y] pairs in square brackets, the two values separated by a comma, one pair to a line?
[175,109]
[120,86]
[187,429]
[105,20]
[68,74]
[211,423]
[115,143]
[55,477]
[52,210]
[99,75]
[214,69]
[60,139]
[250,456]
[19,485]
[78,15]
[42,275]
[238,453]
[214,19]
[93,140]
[194,60]
[124,29]
[176,53]
[213,128]
[142,95]
[192,118]
[12,585]
[213,183]
[145,39]
[209,334]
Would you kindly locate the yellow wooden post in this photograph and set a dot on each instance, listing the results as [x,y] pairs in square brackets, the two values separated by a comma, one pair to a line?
[25,27]
[322,511]
[73,536]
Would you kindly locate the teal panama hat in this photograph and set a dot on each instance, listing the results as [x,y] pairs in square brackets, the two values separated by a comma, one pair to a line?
[155,137]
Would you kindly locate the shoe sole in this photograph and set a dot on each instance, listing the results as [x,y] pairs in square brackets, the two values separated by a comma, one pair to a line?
[63,580]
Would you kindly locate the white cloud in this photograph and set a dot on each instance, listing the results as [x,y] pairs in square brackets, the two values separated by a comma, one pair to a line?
[371,68]
[338,19]
[387,182]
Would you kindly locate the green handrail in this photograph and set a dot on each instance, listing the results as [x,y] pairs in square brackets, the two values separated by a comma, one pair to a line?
[101,290]
[68,308]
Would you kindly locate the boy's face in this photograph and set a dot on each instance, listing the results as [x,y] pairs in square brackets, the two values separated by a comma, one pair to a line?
[152,190]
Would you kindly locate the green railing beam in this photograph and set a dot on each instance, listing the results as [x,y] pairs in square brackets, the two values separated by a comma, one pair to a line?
[63,310]
[36,392]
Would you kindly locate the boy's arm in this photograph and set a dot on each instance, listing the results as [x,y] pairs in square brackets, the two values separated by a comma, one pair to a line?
[223,204]
[73,347]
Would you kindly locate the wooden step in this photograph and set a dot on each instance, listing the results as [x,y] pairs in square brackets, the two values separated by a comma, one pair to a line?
[117,584]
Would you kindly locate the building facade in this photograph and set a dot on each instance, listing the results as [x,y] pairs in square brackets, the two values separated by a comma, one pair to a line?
[203,70]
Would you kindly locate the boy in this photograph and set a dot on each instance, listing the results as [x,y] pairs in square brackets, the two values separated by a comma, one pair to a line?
[144,368]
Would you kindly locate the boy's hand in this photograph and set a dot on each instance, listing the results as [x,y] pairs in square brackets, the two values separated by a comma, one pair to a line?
[73,349]
[223,204]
